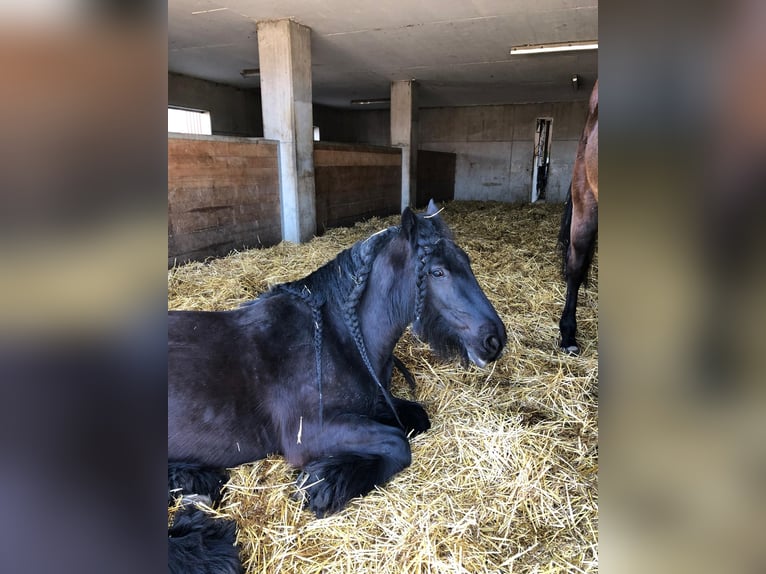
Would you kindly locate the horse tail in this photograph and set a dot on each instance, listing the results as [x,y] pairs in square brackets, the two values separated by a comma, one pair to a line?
[564,231]
[201,544]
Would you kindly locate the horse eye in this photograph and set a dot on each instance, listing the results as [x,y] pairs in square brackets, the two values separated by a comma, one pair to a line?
[437,273]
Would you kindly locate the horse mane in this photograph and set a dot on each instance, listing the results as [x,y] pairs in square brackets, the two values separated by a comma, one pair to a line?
[343,280]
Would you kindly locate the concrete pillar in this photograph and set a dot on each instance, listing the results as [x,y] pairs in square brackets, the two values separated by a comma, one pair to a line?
[284,49]
[404,134]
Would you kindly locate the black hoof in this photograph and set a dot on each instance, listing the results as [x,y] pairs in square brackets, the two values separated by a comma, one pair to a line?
[414,418]
[187,480]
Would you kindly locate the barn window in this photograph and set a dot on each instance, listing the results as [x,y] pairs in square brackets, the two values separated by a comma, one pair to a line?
[189,121]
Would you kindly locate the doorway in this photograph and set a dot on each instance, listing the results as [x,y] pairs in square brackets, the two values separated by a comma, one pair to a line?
[541,160]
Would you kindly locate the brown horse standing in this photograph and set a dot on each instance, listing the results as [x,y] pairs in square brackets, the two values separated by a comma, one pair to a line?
[579,225]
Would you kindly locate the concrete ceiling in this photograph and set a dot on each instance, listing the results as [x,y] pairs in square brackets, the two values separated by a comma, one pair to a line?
[457,50]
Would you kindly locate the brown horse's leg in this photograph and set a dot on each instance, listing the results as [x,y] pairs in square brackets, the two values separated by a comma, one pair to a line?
[568,322]
[583,222]
[578,259]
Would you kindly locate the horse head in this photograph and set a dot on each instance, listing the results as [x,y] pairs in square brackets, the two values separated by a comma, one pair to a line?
[452,313]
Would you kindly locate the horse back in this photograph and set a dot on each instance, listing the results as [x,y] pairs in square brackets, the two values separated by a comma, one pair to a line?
[229,379]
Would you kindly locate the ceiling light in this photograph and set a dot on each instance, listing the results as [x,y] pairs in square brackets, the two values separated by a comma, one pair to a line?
[370,101]
[250,72]
[560,47]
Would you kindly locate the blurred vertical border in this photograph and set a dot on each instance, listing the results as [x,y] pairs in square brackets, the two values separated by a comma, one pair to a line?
[83,288]
[681,285]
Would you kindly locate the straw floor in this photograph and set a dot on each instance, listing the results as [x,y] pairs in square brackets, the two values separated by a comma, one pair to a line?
[506,478]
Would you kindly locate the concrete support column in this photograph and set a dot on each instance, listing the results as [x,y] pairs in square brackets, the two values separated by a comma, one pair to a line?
[404,134]
[284,49]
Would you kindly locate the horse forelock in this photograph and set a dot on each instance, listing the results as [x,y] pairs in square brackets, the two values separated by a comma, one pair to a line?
[430,232]
[430,325]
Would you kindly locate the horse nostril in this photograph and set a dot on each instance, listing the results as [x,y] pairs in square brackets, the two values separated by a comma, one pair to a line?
[492,344]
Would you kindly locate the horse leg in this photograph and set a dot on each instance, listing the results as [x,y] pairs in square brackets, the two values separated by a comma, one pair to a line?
[568,322]
[193,482]
[198,543]
[353,454]
[577,264]
[412,414]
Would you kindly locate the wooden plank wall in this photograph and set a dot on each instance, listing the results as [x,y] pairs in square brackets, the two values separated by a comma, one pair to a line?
[354,182]
[436,177]
[223,194]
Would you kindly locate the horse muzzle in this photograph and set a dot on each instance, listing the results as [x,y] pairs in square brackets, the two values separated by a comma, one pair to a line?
[490,344]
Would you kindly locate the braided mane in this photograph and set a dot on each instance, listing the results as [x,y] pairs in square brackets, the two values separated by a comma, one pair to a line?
[430,231]
[343,280]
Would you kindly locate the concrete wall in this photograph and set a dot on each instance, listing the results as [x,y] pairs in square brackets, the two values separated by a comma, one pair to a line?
[494,147]
[353,126]
[233,111]
[223,194]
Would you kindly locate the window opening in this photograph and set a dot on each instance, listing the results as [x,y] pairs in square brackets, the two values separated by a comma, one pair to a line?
[189,121]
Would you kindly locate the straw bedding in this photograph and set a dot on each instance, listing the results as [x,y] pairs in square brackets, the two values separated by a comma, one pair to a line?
[505,480]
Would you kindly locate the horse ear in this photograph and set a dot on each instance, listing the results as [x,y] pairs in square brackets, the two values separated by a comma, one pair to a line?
[409,223]
[432,209]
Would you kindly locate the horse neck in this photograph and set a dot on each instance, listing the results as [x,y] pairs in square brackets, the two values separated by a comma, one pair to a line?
[388,303]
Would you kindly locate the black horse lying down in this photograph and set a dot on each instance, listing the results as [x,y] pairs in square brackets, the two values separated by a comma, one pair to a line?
[304,369]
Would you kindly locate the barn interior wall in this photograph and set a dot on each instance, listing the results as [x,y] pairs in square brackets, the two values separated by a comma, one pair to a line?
[371,127]
[435,177]
[233,111]
[355,182]
[494,147]
[223,194]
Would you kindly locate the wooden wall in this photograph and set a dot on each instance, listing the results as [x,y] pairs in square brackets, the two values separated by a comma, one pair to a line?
[223,194]
[436,177]
[354,182]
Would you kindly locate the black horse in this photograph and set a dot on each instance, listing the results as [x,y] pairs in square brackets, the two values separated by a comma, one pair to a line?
[304,369]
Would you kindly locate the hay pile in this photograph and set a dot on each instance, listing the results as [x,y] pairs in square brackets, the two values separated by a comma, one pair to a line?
[505,480]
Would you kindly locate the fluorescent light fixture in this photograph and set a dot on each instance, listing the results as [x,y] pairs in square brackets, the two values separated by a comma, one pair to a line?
[250,72]
[369,101]
[560,47]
